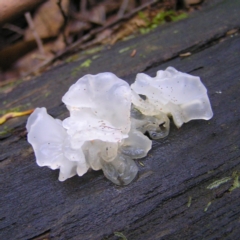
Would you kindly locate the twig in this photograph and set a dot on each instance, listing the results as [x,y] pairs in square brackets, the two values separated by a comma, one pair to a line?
[111,24]
[122,9]
[77,44]
[100,29]
[83,7]
[17,30]
[13,28]
[35,34]
[10,115]
[65,21]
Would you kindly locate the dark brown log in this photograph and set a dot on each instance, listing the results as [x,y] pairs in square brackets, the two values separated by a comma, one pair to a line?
[179,168]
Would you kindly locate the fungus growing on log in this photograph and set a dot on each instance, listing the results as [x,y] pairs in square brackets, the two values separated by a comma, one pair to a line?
[108,122]
[52,147]
[178,94]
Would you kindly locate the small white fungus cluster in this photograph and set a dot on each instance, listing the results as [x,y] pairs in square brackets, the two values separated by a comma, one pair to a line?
[108,120]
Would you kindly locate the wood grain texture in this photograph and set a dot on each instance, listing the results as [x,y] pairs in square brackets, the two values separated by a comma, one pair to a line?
[34,205]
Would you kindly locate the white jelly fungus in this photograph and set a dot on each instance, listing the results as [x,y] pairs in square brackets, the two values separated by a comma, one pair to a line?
[109,122]
[178,94]
[52,147]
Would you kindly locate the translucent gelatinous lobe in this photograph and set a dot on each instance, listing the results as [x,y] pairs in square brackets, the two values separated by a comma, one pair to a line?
[51,146]
[104,100]
[92,136]
[156,126]
[122,170]
[108,122]
[178,94]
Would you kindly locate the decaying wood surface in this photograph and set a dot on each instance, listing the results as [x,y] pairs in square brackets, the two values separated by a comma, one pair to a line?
[172,197]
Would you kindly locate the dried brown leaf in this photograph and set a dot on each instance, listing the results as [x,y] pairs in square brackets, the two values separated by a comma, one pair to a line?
[48,20]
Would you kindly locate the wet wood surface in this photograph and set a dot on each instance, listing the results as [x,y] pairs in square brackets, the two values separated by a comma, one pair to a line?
[172,197]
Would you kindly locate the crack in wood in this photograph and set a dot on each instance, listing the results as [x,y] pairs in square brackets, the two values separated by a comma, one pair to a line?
[42,236]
